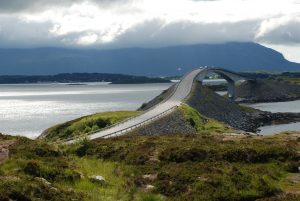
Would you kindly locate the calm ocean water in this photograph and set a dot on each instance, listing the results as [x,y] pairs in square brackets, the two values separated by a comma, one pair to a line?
[29,109]
[289,106]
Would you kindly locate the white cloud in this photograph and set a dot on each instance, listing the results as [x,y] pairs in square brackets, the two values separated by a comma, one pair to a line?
[87,39]
[126,23]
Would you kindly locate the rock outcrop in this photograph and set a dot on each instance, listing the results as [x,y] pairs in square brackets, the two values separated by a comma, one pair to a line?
[267,91]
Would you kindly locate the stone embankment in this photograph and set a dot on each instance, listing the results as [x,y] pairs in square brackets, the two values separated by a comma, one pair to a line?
[173,123]
[212,105]
[268,118]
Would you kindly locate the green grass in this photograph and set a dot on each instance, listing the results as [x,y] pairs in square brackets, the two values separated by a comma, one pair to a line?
[247,109]
[290,79]
[84,125]
[206,167]
[30,160]
[116,187]
[68,174]
[201,123]
[150,197]
[187,167]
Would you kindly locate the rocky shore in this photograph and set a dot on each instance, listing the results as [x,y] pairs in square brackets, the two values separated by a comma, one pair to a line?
[268,118]
[267,91]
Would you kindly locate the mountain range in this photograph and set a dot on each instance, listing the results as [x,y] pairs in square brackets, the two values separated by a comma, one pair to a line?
[164,61]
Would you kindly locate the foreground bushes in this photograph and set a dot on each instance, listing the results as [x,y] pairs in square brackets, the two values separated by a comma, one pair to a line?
[204,167]
[32,170]
[25,189]
[142,168]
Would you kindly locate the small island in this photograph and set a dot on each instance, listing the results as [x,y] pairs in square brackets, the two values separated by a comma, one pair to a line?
[80,78]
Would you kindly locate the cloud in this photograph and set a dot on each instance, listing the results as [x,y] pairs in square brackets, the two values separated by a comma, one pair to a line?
[17,33]
[31,5]
[144,23]
[157,34]
[87,39]
[282,30]
[12,6]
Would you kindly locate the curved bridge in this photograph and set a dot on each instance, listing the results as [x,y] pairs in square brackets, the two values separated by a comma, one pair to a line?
[181,92]
[229,76]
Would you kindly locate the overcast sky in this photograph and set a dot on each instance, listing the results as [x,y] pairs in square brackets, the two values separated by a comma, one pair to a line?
[150,23]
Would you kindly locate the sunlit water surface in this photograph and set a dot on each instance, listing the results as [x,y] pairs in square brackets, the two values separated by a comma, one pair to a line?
[29,109]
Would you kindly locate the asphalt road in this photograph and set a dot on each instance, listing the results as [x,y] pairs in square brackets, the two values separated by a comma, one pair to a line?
[183,89]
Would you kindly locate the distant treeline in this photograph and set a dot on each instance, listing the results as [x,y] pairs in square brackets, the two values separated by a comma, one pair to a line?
[265,75]
[79,77]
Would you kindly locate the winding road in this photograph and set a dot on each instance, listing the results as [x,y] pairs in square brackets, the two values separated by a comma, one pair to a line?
[182,90]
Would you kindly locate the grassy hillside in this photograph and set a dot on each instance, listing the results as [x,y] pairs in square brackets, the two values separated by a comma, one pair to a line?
[207,167]
[201,123]
[84,125]
[141,168]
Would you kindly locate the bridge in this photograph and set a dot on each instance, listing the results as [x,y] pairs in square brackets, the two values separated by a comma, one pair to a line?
[229,76]
[179,95]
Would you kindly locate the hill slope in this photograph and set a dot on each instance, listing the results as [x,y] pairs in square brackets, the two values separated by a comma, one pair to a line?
[142,61]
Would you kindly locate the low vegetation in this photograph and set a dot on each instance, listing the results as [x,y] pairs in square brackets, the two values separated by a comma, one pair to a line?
[219,87]
[84,125]
[293,80]
[143,168]
[247,109]
[201,123]
[36,170]
[207,167]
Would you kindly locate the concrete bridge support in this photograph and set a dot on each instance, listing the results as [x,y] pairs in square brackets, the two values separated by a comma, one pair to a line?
[231,90]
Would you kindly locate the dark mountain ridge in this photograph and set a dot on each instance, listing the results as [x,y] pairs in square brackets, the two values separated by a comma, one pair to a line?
[143,61]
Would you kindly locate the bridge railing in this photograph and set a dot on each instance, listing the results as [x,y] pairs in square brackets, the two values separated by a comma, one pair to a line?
[130,118]
[130,128]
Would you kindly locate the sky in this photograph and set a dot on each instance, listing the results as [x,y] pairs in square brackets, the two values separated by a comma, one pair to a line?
[109,24]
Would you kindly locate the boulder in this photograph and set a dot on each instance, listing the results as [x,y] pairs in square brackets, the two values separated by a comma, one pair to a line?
[97,179]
